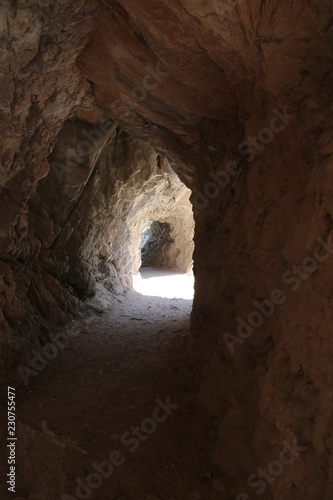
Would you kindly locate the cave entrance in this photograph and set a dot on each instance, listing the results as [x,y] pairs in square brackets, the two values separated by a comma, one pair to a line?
[146,234]
[157,246]
[166,269]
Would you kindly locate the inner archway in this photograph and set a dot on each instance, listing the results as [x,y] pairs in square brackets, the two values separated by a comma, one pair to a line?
[105,105]
[166,264]
[163,251]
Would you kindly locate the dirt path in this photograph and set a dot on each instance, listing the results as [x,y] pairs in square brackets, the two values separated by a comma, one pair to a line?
[119,371]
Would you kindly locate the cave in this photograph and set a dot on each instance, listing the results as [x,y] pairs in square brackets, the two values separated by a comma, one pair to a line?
[155,251]
[210,122]
[165,246]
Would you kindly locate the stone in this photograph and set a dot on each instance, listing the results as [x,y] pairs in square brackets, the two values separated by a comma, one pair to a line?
[110,113]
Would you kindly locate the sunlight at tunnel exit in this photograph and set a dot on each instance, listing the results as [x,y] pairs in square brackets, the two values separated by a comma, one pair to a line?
[162,283]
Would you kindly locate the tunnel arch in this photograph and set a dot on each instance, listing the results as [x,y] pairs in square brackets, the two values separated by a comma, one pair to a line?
[100,82]
[170,244]
[97,206]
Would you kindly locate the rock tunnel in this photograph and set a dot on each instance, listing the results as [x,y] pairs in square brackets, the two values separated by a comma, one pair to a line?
[213,119]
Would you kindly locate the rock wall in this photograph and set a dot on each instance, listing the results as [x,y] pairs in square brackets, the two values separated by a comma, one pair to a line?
[242,105]
[238,97]
[161,250]
[157,251]
[83,227]
[40,85]
[265,297]
[99,227]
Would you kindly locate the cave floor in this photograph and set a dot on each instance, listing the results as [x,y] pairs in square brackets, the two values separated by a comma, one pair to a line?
[116,366]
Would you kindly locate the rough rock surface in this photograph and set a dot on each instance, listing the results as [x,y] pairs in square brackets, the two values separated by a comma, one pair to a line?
[98,227]
[40,85]
[170,247]
[85,221]
[221,86]
[159,250]
[238,97]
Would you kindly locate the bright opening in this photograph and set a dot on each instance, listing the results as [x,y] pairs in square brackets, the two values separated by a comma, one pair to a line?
[156,282]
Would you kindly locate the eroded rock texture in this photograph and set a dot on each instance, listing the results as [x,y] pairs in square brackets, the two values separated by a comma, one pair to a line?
[40,86]
[171,246]
[238,97]
[93,213]
[159,250]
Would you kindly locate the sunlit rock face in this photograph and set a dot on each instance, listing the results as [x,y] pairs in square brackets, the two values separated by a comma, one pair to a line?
[85,221]
[91,209]
[238,97]
[170,246]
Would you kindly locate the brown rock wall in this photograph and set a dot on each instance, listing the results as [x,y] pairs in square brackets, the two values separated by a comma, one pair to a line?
[238,97]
